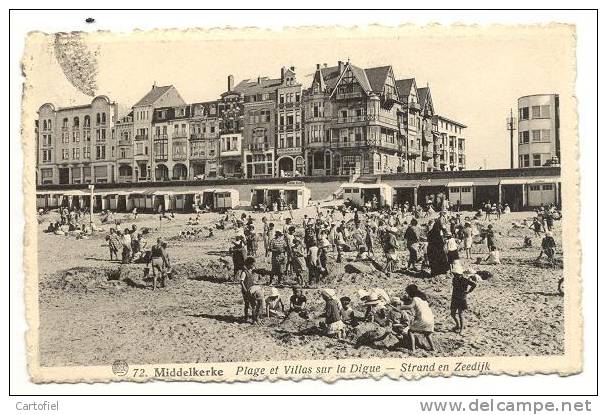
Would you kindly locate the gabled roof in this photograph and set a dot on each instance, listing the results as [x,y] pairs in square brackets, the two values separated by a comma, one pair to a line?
[377,77]
[423,94]
[254,86]
[155,93]
[361,76]
[404,87]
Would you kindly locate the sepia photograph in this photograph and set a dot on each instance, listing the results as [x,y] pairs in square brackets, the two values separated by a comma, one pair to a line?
[317,202]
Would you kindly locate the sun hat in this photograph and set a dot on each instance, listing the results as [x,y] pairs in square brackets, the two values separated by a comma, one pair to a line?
[362,293]
[274,292]
[458,268]
[372,299]
[328,293]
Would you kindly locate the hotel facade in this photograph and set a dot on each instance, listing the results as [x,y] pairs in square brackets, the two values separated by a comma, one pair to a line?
[348,121]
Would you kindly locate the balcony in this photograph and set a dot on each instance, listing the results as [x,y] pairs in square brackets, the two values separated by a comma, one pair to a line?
[288,151]
[413,152]
[352,120]
[349,144]
[288,105]
[141,157]
[179,157]
[140,137]
[180,134]
[348,95]
[288,128]
[161,157]
[125,142]
[318,144]
[414,106]
[386,144]
[161,137]
[259,147]
[204,136]
[126,159]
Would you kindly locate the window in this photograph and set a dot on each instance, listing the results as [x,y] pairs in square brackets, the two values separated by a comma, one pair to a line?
[535,111]
[523,160]
[103,118]
[86,152]
[524,113]
[535,187]
[523,137]
[546,135]
[537,160]
[76,153]
[87,121]
[76,123]
[98,118]
[536,135]
[46,174]
[545,111]
[100,152]
[466,189]
[547,187]
[46,156]
[65,154]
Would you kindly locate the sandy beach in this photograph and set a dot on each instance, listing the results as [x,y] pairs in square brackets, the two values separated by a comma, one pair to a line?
[93,311]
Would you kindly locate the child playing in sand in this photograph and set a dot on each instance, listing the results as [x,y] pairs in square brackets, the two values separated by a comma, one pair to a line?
[468,240]
[334,326]
[298,260]
[257,299]
[423,320]
[274,304]
[462,286]
[297,303]
[247,280]
[452,248]
[548,247]
[492,259]
[347,312]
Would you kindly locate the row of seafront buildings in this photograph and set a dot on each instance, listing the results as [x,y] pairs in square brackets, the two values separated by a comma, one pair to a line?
[349,121]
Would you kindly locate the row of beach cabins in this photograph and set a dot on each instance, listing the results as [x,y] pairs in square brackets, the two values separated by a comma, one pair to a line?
[186,200]
[520,193]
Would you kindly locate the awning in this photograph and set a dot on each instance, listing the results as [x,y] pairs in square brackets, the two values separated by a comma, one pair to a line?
[460,184]
[513,181]
[531,180]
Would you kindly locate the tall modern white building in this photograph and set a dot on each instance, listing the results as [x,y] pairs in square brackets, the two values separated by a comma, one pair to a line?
[538,130]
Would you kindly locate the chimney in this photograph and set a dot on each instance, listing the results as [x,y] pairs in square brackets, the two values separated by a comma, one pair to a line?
[317,66]
[325,65]
[259,80]
[154,85]
[282,74]
[292,68]
[340,66]
[230,82]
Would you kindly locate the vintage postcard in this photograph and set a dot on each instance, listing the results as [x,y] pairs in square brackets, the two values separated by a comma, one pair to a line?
[329,203]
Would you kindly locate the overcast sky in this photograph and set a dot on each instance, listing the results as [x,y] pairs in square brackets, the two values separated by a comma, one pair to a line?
[475,74]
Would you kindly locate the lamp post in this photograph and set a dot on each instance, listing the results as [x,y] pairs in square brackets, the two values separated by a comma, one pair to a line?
[510,121]
[92,189]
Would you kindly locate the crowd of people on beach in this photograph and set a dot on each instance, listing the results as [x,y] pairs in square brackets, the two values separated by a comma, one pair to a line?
[438,240]
[300,250]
